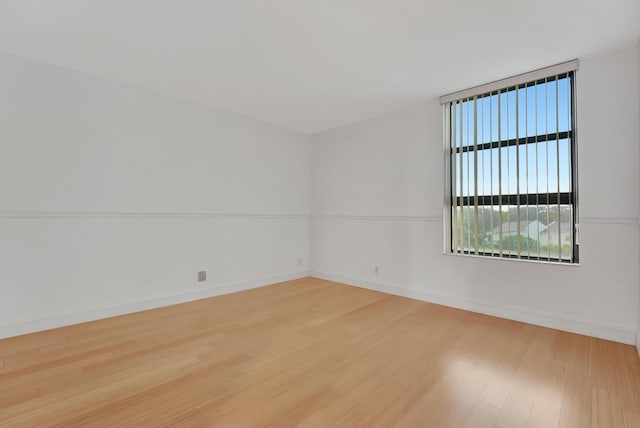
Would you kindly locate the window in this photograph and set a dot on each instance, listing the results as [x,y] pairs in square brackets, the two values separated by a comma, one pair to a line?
[511,168]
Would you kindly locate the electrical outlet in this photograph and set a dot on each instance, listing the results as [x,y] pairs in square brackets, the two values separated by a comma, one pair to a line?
[202,276]
[376,270]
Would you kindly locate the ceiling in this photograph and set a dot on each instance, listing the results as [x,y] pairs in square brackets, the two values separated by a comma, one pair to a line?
[312,65]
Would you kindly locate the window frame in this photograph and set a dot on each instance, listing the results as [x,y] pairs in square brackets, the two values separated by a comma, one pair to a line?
[542,76]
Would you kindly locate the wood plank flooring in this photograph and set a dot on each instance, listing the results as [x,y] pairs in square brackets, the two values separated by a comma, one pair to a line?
[314,353]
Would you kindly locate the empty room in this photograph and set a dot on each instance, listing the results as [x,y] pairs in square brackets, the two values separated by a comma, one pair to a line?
[306,213]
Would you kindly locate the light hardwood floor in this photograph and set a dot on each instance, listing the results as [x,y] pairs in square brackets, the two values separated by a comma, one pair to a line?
[314,353]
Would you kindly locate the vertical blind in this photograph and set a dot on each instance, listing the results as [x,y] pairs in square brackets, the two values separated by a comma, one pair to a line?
[512,171]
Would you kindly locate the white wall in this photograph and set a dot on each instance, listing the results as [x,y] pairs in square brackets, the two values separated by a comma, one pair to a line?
[638,332]
[377,192]
[112,198]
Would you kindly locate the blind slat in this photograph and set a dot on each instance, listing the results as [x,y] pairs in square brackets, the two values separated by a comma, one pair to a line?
[518,171]
[475,173]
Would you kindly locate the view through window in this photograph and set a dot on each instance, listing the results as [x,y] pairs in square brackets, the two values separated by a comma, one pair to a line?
[512,171]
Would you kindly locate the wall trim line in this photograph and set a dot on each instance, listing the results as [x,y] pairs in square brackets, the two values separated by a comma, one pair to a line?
[375,217]
[231,215]
[438,219]
[143,215]
[609,220]
[517,313]
[51,321]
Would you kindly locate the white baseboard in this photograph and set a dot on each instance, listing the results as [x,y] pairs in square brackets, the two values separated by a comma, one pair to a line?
[517,313]
[47,322]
